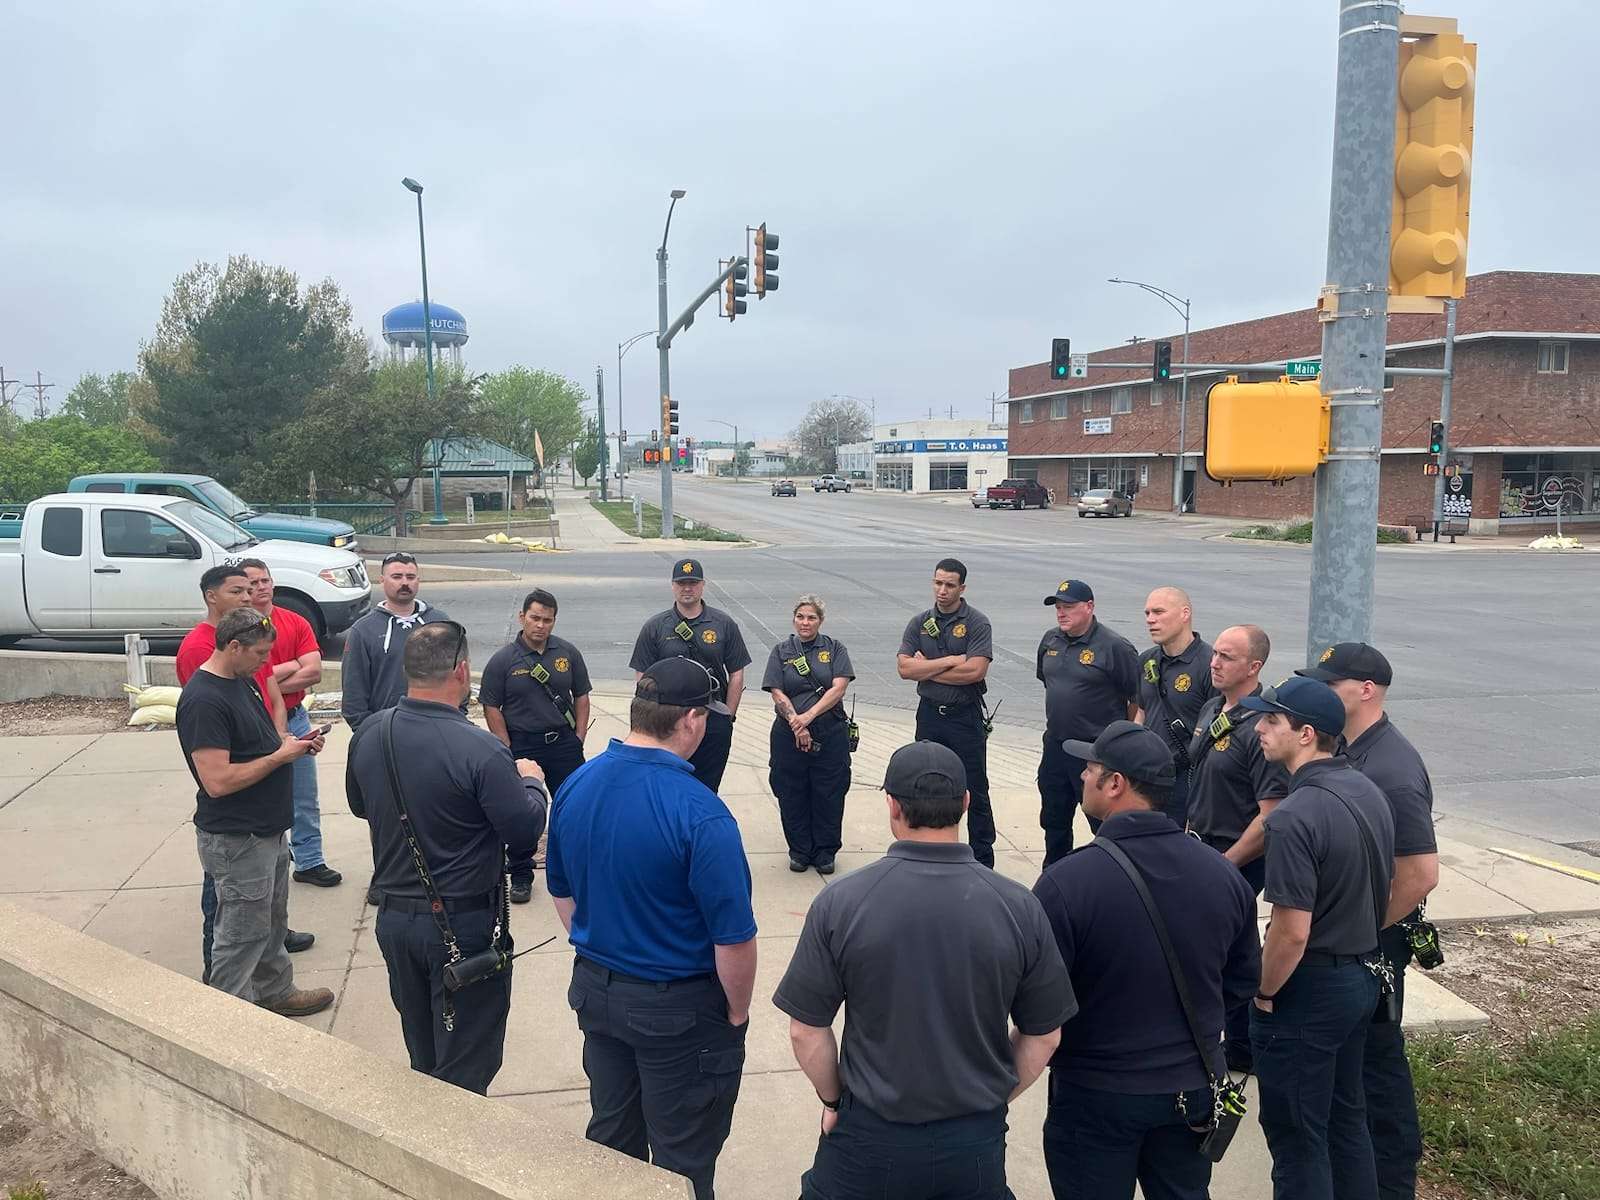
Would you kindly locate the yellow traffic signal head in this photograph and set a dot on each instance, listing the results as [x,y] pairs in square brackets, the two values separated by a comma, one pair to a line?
[1432,166]
[1265,431]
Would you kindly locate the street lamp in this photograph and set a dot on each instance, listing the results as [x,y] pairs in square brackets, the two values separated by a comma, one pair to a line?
[438,518]
[738,475]
[1183,385]
[623,348]
[667,526]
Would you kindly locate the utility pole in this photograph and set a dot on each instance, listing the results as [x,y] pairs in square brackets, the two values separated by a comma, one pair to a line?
[600,412]
[5,394]
[663,345]
[1355,309]
[1444,413]
[39,387]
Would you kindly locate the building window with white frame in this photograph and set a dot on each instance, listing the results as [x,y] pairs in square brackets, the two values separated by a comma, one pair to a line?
[1058,407]
[1157,395]
[1122,400]
[1088,402]
[1552,358]
[1025,417]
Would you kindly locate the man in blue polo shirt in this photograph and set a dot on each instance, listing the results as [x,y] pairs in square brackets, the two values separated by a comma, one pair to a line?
[648,874]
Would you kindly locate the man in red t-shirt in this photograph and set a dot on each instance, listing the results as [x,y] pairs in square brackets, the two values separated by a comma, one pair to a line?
[225,588]
[296,664]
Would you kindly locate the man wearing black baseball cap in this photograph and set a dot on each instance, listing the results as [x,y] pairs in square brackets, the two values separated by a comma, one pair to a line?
[1360,676]
[1091,678]
[1330,857]
[1115,1116]
[692,629]
[649,876]
[932,957]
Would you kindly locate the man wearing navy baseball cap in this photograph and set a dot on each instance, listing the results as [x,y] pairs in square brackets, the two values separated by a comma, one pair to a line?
[1360,676]
[1330,859]
[1113,1117]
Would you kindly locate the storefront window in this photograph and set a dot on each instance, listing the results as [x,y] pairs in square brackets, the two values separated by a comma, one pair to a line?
[1119,474]
[1537,485]
[894,477]
[947,477]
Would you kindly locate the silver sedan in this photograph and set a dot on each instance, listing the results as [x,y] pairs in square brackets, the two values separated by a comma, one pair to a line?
[1103,502]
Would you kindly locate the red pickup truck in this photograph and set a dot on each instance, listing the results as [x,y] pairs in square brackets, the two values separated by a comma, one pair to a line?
[1018,493]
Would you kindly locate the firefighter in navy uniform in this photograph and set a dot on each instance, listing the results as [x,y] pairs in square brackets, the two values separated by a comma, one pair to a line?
[1174,684]
[807,674]
[947,649]
[1091,677]
[1360,676]
[535,695]
[692,629]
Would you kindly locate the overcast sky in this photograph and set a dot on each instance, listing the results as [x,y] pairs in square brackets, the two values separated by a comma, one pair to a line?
[952,183]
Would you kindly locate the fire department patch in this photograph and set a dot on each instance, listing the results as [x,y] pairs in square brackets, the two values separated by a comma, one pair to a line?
[1222,742]
[1182,683]
[959,629]
[1086,657]
[709,637]
[562,664]
[824,656]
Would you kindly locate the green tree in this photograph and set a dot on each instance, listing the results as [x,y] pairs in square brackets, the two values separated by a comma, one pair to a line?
[238,354]
[518,401]
[372,435]
[827,425]
[100,400]
[40,457]
[586,454]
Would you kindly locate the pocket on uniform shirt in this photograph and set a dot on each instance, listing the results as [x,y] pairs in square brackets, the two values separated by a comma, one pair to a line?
[660,1022]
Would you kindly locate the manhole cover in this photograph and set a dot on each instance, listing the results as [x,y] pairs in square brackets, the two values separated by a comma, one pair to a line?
[1587,847]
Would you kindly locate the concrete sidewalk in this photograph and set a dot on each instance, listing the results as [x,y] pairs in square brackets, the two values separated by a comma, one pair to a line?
[95,832]
[583,527]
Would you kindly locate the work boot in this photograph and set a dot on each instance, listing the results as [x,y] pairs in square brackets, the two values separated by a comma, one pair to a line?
[295,942]
[826,866]
[301,1002]
[521,893]
[322,875]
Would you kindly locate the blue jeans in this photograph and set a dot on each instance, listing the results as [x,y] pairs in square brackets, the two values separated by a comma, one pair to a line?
[1308,1054]
[305,839]
[1098,1144]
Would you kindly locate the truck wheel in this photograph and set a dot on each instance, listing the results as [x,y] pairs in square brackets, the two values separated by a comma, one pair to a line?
[304,608]
[1018,504]
[1082,514]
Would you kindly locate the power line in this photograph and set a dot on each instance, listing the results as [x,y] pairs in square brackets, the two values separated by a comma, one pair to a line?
[39,387]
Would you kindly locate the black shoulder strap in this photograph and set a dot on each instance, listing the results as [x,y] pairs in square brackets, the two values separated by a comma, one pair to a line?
[1380,901]
[1180,982]
[435,903]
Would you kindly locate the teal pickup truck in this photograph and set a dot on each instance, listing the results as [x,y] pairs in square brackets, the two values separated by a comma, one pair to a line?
[268,526]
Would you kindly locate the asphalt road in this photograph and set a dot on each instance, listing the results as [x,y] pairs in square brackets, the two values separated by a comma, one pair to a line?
[1497,671]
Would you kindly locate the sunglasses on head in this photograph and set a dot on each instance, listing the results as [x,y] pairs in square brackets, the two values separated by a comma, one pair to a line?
[461,640]
[400,556]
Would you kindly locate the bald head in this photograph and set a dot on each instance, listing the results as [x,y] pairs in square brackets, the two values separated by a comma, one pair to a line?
[1169,618]
[1237,657]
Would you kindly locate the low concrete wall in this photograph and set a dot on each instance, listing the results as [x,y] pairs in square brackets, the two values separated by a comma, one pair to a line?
[199,1094]
[30,674]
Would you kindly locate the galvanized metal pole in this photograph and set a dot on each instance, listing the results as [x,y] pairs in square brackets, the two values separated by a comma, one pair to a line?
[438,517]
[600,411]
[1344,552]
[1183,418]
[1444,413]
[666,389]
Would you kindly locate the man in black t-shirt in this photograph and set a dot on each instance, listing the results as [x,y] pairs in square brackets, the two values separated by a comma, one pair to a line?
[244,805]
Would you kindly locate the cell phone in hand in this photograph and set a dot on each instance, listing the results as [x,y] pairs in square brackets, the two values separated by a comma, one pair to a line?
[321,731]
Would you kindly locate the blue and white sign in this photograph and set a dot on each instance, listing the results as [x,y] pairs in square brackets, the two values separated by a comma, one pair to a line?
[947,446]
[1097,425]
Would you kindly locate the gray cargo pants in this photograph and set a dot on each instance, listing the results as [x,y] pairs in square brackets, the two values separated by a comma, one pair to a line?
[252,880]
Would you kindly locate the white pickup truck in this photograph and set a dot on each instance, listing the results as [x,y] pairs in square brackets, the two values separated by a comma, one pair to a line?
[92,565]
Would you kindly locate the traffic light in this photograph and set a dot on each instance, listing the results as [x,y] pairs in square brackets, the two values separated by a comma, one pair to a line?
[1265,431]
[766,262]
[1432,165]
[1162,370]
[683,453]
[669,417]
[1060,357]
[734,291]
[1435,437]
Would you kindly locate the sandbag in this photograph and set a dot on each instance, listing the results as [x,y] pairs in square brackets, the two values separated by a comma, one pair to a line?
[155,714]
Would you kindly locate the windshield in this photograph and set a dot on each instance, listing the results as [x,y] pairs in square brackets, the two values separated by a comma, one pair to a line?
[1098,493]
[220,530]
[224,500]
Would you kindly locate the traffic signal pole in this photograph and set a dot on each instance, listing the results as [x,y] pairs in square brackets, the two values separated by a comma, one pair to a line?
[1355,309]
[1444,414]
[663,345]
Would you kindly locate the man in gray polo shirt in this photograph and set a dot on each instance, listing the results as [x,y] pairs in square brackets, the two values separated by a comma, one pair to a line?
[937,957]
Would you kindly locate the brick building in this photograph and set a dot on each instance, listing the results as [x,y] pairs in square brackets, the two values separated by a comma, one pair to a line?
[1525,421]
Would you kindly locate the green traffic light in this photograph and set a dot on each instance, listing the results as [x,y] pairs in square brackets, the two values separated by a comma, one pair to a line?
[1061,372]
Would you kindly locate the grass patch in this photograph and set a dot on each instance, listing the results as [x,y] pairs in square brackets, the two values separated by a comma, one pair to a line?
[27,1191]
[1521,1119]
[1301,532]
[620,514]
